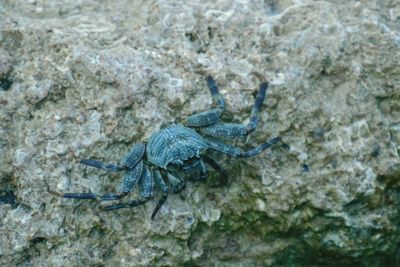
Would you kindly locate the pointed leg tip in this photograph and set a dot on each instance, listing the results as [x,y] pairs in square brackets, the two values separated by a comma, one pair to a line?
[275,140]
[263,89]
[212,85]
[86,162]
[111,207]
[80,195]
[264,85]
[156,210]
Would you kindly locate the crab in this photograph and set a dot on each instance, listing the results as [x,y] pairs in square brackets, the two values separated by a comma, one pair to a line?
[160,162]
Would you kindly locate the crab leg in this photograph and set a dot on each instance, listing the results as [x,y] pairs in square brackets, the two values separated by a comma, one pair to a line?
[237,152]
[164,189]
[130,179]
[134,155]
[222,174]
[217,98]
[221,129]
[146,189]
[104,197]
[132,158]
[210,116]
[177,183]
[129,204]
[203,170]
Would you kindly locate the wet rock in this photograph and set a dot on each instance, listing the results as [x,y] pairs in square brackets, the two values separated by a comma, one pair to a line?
[87,80]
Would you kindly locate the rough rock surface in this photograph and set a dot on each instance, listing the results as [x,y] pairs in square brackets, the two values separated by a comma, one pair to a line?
[86,79]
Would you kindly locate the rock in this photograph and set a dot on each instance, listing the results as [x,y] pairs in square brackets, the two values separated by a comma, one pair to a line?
[83,79]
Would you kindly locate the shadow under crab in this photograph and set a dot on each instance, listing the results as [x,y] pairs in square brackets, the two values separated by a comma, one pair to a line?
[157,163]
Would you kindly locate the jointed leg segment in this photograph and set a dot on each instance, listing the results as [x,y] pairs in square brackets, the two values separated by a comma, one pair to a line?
[103,197]
[238,152]
[129,204]
[210,116]
[164,190]
[146,189]
[130,179]
[255,111]
[231,130]
[217,98]
[222,173]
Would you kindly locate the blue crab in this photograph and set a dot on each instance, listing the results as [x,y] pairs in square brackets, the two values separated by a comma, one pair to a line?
[159,162]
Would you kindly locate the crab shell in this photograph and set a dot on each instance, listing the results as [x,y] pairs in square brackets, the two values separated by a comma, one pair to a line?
[174,145]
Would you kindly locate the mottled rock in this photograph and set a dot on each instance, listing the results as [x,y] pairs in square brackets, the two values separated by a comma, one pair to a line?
[84,79]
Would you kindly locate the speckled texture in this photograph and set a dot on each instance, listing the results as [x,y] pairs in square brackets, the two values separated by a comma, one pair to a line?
[89,78]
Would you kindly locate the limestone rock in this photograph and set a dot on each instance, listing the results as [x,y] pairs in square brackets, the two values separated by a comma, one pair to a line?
[87,79]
